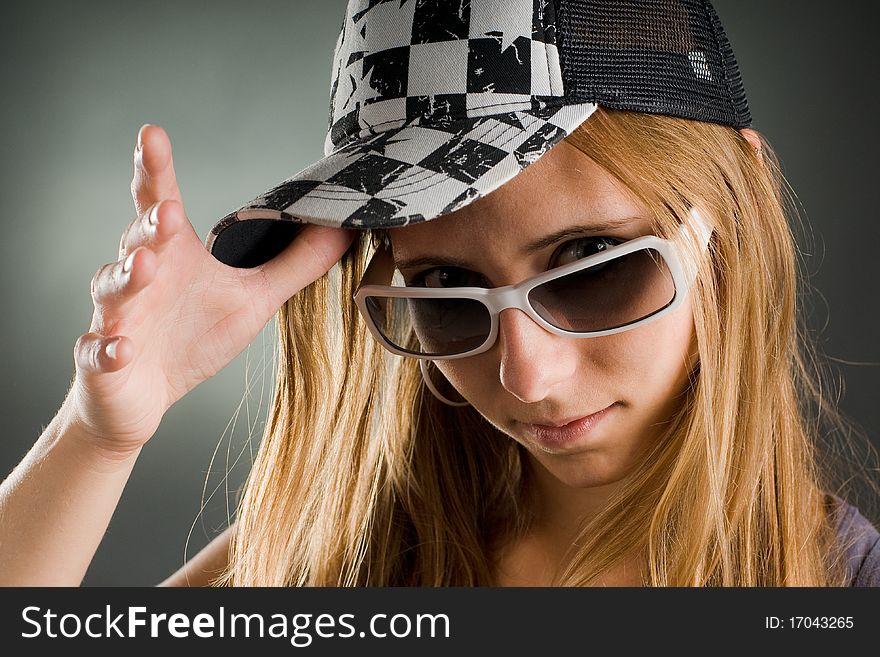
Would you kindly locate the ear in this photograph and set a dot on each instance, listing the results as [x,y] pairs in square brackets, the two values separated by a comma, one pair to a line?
[755,140]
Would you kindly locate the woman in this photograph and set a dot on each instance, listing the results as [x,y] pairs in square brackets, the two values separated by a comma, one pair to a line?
[433,454]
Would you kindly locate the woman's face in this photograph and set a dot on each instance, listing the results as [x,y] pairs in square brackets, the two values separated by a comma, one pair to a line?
[531,375]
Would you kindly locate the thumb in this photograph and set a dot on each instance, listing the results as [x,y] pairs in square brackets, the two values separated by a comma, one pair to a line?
[310,255]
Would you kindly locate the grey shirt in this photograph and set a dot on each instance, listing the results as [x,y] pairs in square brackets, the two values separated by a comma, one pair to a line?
[863,539]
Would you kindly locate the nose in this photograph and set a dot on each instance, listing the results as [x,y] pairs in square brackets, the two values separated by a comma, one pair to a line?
[533,360]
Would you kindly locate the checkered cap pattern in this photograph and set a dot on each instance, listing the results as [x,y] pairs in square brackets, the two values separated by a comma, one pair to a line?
[434,61]
[435,103]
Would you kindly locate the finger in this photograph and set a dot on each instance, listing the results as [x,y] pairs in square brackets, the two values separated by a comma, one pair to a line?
[154,228]
[95,353]
[154,177]
[116,282]
[313,252]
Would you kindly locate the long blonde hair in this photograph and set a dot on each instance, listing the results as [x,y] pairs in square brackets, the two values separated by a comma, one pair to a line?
[363,478]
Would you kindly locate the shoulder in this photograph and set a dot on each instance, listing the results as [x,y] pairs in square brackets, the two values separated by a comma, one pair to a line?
[861,542]
[205,566]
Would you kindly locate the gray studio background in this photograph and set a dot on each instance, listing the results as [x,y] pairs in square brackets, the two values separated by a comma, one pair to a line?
[242,89]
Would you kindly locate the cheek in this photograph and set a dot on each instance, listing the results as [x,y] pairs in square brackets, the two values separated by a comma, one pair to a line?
[473,377]
[656,358]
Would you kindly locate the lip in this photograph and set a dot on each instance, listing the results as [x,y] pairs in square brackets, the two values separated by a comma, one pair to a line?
[569,433]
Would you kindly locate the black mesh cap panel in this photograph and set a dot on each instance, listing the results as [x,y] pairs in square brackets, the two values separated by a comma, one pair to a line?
[660,57]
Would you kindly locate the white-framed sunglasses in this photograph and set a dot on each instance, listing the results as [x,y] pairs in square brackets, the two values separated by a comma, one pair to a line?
[622,287]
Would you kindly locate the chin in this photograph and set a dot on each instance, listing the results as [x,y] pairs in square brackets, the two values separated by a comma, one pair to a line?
[581,470]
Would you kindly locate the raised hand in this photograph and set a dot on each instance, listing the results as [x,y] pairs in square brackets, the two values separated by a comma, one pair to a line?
[168,315]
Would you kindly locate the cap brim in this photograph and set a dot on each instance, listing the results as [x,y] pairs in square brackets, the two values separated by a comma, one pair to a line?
[393,178]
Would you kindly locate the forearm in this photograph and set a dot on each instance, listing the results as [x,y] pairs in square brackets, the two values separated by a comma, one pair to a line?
[56,505]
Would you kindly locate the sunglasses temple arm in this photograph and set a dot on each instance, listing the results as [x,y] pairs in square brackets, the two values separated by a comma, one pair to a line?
[434,391]
[380,269]
[704,233]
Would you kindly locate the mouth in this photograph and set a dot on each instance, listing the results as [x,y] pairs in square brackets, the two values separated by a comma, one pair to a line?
[555,424]
[553,433]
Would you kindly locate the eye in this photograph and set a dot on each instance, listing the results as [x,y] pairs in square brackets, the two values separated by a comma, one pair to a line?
[446,277]
[582,247]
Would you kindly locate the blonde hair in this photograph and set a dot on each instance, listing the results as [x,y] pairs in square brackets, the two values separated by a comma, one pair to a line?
[363,478]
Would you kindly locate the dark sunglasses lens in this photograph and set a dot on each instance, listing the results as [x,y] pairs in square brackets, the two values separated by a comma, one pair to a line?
[430,327]
[609,295]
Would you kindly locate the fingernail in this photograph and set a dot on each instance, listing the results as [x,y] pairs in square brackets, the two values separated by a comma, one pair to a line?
[154,215]
[126,265]
[140,139]
[111,348]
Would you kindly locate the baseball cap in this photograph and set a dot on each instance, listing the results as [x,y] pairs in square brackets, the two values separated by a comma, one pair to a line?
[434,104]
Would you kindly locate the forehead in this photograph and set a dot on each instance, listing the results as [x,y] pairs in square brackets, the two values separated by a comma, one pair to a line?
[562,188]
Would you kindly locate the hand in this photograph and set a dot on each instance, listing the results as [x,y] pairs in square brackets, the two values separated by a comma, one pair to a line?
[178,315]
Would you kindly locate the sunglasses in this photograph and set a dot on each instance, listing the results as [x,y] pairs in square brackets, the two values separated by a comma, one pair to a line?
[620,288]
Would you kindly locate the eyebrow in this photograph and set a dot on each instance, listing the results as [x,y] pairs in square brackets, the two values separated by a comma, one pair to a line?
[528,249]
